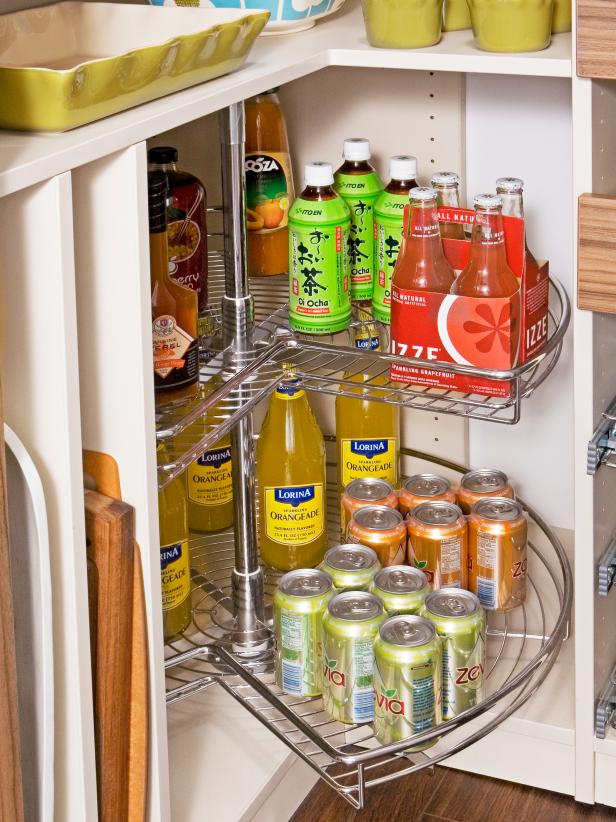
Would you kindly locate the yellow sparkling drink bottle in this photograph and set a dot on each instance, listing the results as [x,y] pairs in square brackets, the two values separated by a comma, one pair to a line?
[209,484]
[291,475]
[174,557]
[367,432]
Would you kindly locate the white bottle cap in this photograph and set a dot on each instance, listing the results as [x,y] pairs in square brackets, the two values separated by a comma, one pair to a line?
[403,167]
[488,201]
[445,178]
[356,149]
[319,174]
[422,194]
[510,185]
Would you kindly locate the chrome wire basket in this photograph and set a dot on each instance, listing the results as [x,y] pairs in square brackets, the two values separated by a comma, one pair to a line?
[522,647]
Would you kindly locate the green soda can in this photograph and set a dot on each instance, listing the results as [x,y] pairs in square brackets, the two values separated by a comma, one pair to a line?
[460,621]
[359,186]
[407,679]
[351,567]
[388,227]
[350,625]
[319,229]
[401,588]
[299,604]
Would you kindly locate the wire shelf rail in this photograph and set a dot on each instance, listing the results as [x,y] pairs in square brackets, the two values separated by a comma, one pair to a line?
[231,386]
[522,647]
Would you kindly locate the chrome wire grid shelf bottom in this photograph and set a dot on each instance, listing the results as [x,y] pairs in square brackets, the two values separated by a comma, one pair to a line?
[522,647]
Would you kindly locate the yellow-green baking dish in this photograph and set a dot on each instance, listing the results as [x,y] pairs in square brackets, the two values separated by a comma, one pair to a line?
[65,65]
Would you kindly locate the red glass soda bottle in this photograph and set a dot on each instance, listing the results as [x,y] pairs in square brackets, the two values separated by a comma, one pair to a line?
[447,187]
[487,273]
[511,189]
[422,265]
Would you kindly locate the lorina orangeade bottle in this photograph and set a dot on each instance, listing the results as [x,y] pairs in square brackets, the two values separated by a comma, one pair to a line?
[291,478]
[389,222]
[319,230]
[359,185]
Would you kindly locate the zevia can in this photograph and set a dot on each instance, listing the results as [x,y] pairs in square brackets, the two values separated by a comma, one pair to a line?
[497,560]
[382,529]
[485,482]
[299,604]
[407,679]
[460,622]
[319,226]
[351,567]
[350,625]
[438,543]
[362,492]
[424,488]
[401,589]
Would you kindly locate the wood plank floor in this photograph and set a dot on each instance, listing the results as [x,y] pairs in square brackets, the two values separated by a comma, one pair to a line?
[450,796]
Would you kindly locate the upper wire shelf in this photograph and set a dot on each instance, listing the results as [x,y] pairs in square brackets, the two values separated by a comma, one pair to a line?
[234,387]
[522,647]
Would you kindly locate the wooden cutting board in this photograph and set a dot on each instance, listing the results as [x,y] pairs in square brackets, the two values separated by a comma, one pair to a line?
[110,545]
[11,792]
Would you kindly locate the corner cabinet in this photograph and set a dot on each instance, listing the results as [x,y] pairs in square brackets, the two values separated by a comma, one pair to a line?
[78,374]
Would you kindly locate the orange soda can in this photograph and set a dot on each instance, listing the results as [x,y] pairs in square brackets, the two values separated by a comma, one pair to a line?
[438,543]
[486,482]
[497,535]
[424,488]
[382,529]
[362,492]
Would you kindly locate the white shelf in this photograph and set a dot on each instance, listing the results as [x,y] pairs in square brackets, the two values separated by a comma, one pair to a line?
[26,159]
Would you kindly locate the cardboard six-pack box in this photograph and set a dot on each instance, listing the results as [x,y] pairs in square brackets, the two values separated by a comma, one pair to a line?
[489,333]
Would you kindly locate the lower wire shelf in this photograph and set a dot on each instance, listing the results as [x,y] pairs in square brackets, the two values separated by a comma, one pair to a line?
[522,647]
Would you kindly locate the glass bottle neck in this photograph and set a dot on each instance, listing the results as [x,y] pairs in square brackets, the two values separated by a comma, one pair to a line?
[423,222]
[488,240]
[512,204]
[163,166]
[448,197]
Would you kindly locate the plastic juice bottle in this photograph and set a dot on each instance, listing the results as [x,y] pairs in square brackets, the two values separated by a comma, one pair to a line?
[209,481]
[389,222]
[447,187]
[269,185]
[174,556]
[422,265]
[487,273]
[319,230]
[186,225]
[174,309]
[367,432]
[291,478]
[359,185]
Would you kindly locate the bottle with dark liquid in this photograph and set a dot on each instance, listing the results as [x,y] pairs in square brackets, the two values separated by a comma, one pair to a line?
[389,223]
[447,187]
[186,225]
[174,309]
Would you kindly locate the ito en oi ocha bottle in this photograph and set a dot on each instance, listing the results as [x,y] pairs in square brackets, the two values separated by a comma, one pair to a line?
[389,223]
[291,478]
[319,226]
[359,185]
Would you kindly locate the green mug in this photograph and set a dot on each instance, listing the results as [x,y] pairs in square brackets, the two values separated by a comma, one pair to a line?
[403,24]
[512,25]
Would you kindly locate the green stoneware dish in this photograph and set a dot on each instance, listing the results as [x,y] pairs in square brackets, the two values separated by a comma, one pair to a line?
[403,24]
[456,15]
[561,21]
[511,25]
[69,64]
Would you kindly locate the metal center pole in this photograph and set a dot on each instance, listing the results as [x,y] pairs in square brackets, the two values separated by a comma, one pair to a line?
[238,322]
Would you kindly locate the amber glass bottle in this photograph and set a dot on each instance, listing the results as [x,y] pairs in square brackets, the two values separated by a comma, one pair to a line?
[174,309]
[269,185]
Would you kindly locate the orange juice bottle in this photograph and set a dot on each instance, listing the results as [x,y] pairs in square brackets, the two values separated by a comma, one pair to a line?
[269,186]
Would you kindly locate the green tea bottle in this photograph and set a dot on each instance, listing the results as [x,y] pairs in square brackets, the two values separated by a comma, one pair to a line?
[359,186]
[319,230]
[389,222]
